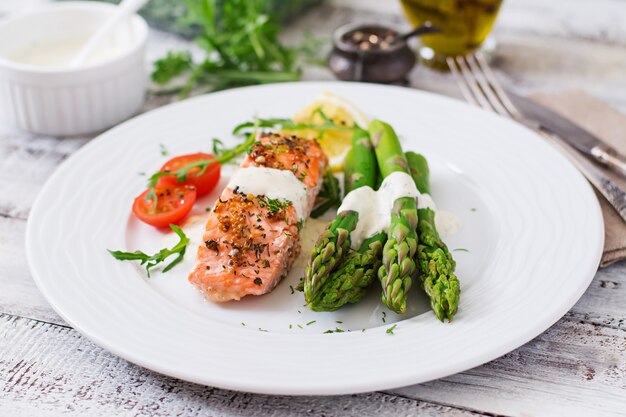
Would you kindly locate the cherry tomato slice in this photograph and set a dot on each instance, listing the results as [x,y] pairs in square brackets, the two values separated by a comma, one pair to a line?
[204,183]
[173,204]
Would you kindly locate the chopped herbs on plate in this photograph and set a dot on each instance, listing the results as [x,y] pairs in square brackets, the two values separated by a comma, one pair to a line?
[391,329]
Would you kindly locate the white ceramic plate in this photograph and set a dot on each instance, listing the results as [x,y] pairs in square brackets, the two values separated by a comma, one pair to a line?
[532,229]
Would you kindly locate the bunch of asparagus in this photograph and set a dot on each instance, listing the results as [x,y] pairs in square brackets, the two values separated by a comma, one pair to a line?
[336,274]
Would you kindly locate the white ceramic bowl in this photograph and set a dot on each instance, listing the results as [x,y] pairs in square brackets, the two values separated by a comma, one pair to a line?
[61,101]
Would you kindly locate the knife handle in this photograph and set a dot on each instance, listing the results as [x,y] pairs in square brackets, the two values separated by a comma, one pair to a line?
[613,193]
[607,156]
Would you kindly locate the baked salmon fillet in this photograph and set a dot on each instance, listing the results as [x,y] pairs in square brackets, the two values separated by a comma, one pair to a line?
[251,240]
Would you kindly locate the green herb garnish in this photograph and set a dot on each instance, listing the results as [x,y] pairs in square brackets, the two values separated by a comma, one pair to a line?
[277,124]
[311,322]
[241,44]
[217,146]
[226,155]
[329,195]
[337,330]
[390,330]
[170,66]
[153,260]
[274,205]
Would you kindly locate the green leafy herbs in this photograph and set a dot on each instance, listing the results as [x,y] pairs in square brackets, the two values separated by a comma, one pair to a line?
[276,124]
[328,196]
[225,155]
[274,205]
[391,329]
[241,48]
[170,66]
[151,261]
[217,147]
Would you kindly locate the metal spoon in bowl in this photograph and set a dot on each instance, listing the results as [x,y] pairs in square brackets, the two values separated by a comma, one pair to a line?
[124,9]
[427,27]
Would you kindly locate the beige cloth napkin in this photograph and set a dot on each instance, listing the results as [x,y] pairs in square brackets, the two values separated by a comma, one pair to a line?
[609,125]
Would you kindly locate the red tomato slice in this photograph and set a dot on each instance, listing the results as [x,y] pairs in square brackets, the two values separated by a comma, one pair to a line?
[204,183]
[173,204]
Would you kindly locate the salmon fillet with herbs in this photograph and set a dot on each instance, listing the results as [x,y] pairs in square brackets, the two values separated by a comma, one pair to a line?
[251,241]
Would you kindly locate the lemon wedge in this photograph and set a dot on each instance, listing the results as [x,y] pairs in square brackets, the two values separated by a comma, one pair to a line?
[335,143]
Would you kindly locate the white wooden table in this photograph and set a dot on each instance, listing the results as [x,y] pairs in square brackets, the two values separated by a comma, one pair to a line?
[576,368]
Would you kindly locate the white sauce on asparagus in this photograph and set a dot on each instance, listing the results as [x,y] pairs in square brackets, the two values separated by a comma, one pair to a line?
[374,207]
[273,183]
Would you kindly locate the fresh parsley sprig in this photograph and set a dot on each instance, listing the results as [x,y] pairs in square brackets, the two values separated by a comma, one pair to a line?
[241,45]
[151,261]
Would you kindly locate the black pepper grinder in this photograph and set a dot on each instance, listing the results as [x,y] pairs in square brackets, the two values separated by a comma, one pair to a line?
[373,53]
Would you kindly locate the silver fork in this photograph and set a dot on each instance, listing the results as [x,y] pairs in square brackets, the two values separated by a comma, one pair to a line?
[480,87]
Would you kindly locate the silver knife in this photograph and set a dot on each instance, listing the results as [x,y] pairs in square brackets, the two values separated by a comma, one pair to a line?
[573,134]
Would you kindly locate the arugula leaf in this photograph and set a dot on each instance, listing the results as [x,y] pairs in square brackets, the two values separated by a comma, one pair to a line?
[152,260]
[217,147]
[329,195]
[288,124]
[226,154]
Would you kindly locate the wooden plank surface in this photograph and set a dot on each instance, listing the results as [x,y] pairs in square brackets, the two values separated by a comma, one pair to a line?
[48,369]
[578,367]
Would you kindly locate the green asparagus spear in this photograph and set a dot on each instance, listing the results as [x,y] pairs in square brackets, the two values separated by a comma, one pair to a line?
[349,282]
[398,264]
[328,251]
[418,167]
[435,262]
[360,166]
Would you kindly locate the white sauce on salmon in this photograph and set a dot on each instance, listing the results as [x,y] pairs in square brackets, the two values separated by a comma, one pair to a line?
[273,183]
[374,207]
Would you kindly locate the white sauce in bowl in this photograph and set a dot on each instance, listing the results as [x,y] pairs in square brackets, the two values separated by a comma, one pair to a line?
[59,52]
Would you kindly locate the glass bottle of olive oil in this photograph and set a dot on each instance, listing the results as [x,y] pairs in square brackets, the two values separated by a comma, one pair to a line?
[465,24]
